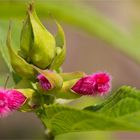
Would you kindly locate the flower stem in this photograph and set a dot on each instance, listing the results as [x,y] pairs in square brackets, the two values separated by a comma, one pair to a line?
[49,135]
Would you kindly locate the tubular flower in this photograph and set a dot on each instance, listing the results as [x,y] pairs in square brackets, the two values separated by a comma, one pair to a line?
[10,100]
[44,82]
[98,83]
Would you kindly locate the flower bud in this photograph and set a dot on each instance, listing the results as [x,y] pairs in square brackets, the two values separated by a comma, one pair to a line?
[44,82]
[37,44]
[60,48]
[19,65]
[10,100]
[98,83]
[49,80]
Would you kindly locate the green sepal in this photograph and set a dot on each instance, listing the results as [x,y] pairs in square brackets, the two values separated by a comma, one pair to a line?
[24,83]
[60,48]
[19,65]
[26,39]
[43,47]
[32,102]
[72,75]
[65,92]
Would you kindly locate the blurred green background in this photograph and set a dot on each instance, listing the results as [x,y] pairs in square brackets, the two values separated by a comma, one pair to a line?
[101,35]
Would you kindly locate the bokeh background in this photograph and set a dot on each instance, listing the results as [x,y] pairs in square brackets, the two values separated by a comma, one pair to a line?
[101,35]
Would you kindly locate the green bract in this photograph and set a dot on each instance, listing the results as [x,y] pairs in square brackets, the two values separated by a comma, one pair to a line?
[32,100]
[60,48]
[19,65]
[26,39]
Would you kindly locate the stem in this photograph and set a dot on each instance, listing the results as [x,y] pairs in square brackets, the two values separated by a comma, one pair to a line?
[6,81]
[49,135]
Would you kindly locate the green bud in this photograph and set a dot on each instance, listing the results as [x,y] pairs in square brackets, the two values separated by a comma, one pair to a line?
[32,101]
[19,65]
[37,44]
[60,48]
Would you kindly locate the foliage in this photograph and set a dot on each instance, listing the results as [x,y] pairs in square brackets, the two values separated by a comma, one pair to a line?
[120,111]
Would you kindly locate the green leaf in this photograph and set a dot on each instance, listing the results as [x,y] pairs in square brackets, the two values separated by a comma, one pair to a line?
[123,102]
[3,33]
[59,120]
[122,107]
[3,49]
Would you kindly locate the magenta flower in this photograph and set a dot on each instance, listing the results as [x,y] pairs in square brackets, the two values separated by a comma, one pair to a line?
[10,100]
[4,109]
[44,82]
[16,99]
[98,83]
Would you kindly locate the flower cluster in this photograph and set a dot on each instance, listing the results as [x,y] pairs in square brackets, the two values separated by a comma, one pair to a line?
[37,66]
[95,84]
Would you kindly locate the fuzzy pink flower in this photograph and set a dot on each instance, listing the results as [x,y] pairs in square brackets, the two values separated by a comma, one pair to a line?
[4,109]
[10,100]
[98,83]
[15,100]
[44,82]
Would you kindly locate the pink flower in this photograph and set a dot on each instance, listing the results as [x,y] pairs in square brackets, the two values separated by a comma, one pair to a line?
[10,100]
[44,82]
[98,83]
[4,109]
[16,99]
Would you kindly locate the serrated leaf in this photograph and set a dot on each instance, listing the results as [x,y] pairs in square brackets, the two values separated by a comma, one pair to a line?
[121,107]
[61,120]
[123,102]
